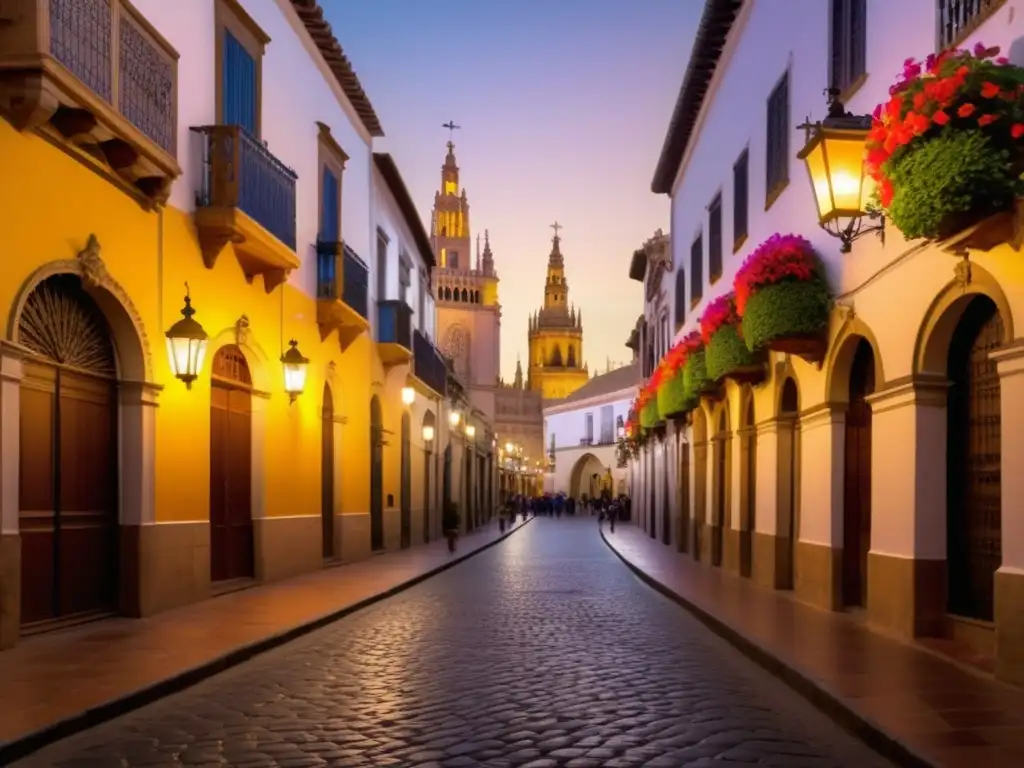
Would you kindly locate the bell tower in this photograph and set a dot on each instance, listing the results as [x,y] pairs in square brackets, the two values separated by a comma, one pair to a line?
[450,225]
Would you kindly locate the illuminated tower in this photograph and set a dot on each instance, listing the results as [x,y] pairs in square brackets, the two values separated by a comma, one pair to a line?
[556,367]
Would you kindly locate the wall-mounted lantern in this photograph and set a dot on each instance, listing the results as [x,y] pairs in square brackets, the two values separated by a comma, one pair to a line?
[428,433]
[834,155]
[295,367]
[470,431]
[453,418]
[508,447]
[186,345]
[408,395]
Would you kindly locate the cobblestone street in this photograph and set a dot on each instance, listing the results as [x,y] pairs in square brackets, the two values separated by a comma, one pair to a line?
[542,651]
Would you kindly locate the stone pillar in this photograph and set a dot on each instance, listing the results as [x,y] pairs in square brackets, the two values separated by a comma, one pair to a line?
[906,588]
[10,464]
[700,470]
[1009,581]
[770,540]
[744,496]
[732,522]
[819,506]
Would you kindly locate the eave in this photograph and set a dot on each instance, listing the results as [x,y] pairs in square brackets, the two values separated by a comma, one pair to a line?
[393,178]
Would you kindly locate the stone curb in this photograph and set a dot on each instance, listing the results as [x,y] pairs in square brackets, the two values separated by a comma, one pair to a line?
[22,747]
[819,694]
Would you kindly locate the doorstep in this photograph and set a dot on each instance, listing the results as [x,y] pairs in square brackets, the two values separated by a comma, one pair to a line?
[909,703]
[54,685]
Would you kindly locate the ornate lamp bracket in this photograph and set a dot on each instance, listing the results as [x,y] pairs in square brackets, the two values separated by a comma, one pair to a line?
[856,228]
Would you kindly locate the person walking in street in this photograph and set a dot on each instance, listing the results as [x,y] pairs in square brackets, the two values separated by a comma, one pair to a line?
[613,512]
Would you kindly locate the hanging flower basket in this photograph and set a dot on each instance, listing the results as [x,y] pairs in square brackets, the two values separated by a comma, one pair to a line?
[649,416]
[726,353]
[945,150]
[783,298]
[695,373]
[673,402]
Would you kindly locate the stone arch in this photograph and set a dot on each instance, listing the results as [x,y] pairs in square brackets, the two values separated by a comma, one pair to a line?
[699,477]
[580,476]
[839,361]
[131,343]
[931,347]
[255,356]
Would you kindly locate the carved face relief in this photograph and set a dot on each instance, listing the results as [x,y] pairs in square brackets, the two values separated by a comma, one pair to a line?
[456,347]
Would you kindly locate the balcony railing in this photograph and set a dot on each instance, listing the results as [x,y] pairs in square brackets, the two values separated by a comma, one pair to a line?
[586,441]
[959,18]
[394,323]
[240,172]
[428,364]
[354,276]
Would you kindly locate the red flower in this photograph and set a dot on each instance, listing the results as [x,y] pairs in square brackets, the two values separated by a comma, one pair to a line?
[966,110]
[1017,130]
[987,119]
[721,311]
[989,90]
[779,259]
[940,117]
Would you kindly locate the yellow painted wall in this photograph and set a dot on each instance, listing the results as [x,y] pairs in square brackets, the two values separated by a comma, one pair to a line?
[48,215]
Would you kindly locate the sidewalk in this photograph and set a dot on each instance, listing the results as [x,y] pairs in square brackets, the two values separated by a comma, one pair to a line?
[54,685]
[912,705]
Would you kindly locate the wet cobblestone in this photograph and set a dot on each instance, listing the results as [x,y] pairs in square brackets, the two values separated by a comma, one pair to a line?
[543,652]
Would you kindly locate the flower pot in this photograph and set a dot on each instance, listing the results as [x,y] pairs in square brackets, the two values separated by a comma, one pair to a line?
[727,356]
[672,399]
[788,317]
[649,416]
[695,375]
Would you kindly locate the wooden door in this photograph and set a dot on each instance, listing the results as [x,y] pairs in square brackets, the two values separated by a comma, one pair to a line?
[231,538]
[684,495]
[405,499]
[857,478]
[750,513]
[376,476]
[68,482]
[327,474]
[666,507]
[974,456]
[428,463]
[718,527]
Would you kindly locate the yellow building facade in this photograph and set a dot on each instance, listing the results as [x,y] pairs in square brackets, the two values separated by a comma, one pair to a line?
[556,367]
[125,489]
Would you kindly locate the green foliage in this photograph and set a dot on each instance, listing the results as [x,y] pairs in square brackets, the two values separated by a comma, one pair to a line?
[649,416]
[785,309]
[695,374]
[727,352]
[944,182]
[672,397]
[450,519]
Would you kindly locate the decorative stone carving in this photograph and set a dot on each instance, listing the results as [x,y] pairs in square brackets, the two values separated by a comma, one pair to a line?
[94,271]
[845,311]
[962,273]
[242,331]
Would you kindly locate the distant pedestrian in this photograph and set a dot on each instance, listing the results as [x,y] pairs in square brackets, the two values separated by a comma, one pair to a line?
[612,512]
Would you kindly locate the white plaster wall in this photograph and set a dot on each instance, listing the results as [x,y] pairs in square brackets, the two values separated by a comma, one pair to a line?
[298,91]
[569,424]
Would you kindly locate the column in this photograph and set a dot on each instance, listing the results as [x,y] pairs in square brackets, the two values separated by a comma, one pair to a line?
[699,469]
[907,561]
[819,505]
[10,458]
[771,546]
[1009,586]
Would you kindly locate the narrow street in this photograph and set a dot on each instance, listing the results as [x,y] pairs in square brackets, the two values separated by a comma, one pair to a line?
[542,651]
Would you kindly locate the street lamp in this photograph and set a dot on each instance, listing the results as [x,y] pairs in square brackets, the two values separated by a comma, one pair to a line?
[834,155]
[408,395]
[428,433]
[509,447]
[295,367]
[453,418]
[470,431]
[186,345]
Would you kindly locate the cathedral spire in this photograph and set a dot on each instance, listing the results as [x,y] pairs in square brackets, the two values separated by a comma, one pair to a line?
[555,257]
[519,373]
[488,263]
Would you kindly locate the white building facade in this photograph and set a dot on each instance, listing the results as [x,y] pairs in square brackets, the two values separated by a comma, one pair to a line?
[843,479]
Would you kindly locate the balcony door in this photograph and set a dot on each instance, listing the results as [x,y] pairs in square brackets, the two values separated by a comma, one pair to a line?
[240,87]
[376,476]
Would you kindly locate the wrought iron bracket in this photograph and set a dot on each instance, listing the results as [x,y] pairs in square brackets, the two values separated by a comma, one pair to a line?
[855,228]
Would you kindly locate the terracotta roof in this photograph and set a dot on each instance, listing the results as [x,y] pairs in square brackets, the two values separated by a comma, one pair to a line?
[606,383]
[393,178]
[715,24]
[312,16]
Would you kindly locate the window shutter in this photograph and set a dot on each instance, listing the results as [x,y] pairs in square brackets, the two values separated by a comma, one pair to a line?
[697,270]
[680,296]
[329,225]
[858,39]
[239,90]
[715,239]
[739,203]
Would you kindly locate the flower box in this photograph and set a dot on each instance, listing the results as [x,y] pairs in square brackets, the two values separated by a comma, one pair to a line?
[649,416]
[673,402]
[945,150]
[783,299]
[726,353]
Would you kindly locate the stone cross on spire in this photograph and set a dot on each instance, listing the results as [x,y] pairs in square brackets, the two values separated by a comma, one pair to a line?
[556,226]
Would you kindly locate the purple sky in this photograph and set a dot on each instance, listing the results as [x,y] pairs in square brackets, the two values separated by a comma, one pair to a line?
[564,105]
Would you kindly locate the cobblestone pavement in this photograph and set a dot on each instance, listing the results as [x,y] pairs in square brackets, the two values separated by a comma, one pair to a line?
[544,651]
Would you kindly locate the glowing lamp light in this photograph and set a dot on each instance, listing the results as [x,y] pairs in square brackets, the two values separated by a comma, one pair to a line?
[428,433]
[186,345]
[408,395]
[453,418]
[622,432]
[509,447]
[295,367]
[470,431]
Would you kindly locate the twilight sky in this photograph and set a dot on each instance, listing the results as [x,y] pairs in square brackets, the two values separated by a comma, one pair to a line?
[563,106]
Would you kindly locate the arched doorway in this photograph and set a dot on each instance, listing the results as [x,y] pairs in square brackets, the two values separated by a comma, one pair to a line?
[428,466]
[788,467]
[700,484]
[721,523]
[748,450]
[327,473]
[405,497]
[857,478]
[68,481]
[231,543]
[973,457]
[376,475]
[581,479]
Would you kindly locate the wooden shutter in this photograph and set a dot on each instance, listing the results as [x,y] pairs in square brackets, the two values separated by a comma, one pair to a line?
[239,106]
[740,194]
[330,231]
[715,239]
[697,270]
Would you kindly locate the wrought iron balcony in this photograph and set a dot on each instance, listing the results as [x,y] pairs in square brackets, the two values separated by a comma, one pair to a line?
[960,18]
[394,332]
[98,79]
[429,371]
[341,292]
[586,441]
[246,198]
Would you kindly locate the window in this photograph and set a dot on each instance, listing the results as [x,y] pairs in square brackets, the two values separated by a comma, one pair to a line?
[664,334]
[421,305]
[239,48]
[404,278]
[680,303]
[382,265]
[453,259]
[849,42]
[589,433]
[715,238]
[740,195]
[696,271]
[607,425]
[332,163]
[777,150]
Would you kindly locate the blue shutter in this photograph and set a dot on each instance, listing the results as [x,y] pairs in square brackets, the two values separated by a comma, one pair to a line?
[239,89]
[329,190]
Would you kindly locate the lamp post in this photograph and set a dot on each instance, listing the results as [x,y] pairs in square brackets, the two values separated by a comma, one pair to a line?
[295,367]
[834,156]
[186,345]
